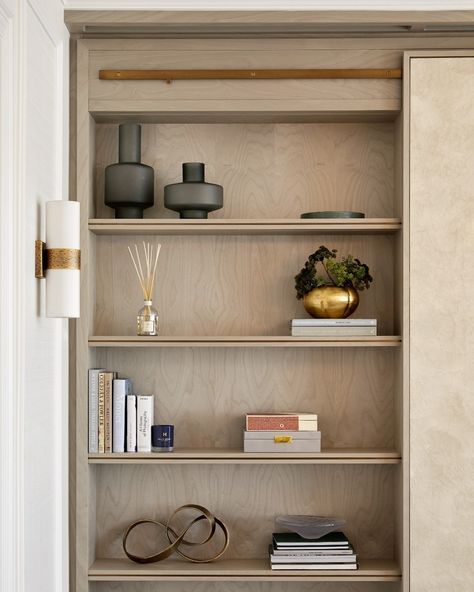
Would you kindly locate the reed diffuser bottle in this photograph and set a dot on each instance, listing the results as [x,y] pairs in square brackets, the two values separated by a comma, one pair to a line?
[147,317]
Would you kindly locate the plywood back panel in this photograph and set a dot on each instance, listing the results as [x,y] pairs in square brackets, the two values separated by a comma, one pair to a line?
[230,285]
[206,392]
[218,54]
[248,499]
[267,170]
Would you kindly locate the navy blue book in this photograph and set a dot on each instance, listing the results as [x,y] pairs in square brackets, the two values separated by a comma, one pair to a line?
[291,540]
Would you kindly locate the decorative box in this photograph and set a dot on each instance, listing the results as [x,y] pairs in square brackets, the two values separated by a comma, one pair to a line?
[282,441]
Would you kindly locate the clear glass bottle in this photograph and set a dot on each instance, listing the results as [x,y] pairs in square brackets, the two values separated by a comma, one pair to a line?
[147,319]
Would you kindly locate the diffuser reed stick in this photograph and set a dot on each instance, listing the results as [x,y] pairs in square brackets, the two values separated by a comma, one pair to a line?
[147,318]
[147,278]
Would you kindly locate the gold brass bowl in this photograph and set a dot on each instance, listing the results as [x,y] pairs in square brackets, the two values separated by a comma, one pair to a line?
[331,302]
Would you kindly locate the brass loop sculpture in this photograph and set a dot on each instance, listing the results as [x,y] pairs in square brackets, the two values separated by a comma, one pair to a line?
[176,540]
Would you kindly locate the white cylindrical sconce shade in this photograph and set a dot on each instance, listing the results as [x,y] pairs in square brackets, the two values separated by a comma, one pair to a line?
[63,256]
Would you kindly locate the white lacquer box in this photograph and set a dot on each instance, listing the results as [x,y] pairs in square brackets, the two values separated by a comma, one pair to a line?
[309,441]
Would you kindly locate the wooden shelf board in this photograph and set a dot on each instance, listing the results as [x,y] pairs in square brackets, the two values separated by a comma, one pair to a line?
[331,110]
[243,341]
[235,456]
[235,569]
[228,226]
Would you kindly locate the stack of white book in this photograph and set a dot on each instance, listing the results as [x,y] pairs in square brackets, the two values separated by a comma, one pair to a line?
[330,552]
[119,421]
[333,327]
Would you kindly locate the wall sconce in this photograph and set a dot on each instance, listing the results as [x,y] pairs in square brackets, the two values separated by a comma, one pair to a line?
[59,259]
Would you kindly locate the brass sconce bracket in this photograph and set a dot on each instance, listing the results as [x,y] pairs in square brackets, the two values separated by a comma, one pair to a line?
[54,259]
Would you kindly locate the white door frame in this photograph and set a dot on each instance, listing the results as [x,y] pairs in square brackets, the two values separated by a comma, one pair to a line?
[14,253]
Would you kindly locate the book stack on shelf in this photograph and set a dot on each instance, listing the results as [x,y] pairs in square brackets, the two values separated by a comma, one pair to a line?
[119,421]
[282,432]
[291,551]
[333,327]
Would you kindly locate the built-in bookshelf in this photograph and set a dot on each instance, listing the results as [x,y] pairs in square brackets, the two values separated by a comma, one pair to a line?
[225,295]
[221,226]
[236,456]
[246,570]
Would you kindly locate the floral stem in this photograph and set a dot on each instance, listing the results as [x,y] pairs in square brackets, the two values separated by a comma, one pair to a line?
[328,274]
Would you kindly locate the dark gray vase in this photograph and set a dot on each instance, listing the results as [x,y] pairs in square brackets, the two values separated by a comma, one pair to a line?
[193,198]
[129,185]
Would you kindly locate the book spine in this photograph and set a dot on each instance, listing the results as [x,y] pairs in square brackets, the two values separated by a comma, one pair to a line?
[121,388]
[279,423]
[109,376]
[314,566]
[131,423]
[331,331]
[93,399]
[101,427]
[334,323]
[144,422]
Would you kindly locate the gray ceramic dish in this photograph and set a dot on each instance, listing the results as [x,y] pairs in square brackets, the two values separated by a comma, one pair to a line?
[333,214]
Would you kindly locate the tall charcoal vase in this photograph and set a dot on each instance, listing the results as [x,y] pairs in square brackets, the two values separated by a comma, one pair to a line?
[129,184]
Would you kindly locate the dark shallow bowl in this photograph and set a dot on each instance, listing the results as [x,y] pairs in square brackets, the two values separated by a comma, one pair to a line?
[333,214]
[310,527]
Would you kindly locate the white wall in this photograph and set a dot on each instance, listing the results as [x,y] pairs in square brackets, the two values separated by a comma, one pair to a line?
[269,4]
[33,349]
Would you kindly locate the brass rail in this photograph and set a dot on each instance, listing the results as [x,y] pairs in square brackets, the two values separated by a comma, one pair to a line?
[308,74]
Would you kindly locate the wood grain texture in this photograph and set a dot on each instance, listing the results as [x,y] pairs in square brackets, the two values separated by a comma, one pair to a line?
[230,285]
[392,47]
[248,570]
[441,353]
[401,323]
[289,20]
[206,392]
[175,226]
[247,95]
[210,586]
[237,456]
[252,341]
[227,93]
[267,170]
[226,54]
[254,91]
[317,111]
[247,499]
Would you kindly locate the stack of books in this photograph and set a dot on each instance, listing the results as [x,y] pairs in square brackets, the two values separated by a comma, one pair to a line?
[332,551]
[333,327]
[119,421]
[282,432]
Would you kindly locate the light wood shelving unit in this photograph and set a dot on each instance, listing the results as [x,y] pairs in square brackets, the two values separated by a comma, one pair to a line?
[225,296]
[259,227]
[241,341]
[248,570]
[236,456]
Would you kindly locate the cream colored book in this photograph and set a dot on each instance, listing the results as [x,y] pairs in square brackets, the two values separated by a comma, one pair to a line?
[108,419]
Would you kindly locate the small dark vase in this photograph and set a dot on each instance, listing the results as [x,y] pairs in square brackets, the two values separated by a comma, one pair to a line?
[193,198]
[129,185]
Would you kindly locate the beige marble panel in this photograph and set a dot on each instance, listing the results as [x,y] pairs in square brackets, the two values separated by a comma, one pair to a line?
[442,324]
